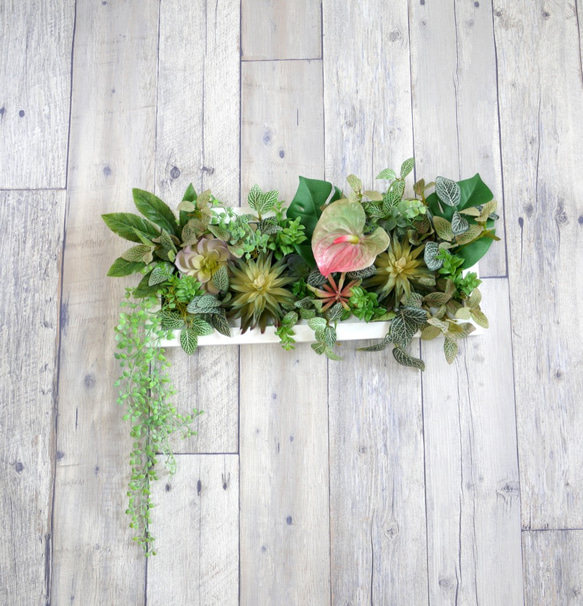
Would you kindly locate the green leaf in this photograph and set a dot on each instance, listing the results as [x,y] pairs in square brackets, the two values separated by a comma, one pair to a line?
[405,359]
[436,299]
[459,225]
[319,348]
[156,210]
[373,195]
[220,279]
[376,347]
[448,191]
[394,195]
[450,349]
[430,332]
[414,314]
[317,324]
[329,336]
[143,289]
[140,253]
[443,228]
[254,197]
[308,201]
[188,340]
[200,327]
[480,318]
[161,273]
[475,298]
[429,254]
[463,313]
[407,167]
[268,200]
[470,235]
[190,193]
[219,322]
[171,320]
[355,183]
[335,312]
[122,267]
[331,355]
[402,330]
[387,175]
[126,225]
[204,304]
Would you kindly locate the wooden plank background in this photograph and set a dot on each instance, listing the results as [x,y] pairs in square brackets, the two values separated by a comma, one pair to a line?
[320,483]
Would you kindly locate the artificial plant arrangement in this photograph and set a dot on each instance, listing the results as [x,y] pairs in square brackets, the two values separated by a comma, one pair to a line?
[327,258]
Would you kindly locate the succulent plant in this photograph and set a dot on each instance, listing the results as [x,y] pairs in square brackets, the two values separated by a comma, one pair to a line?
[203,261]
[258,292]
[399,271]
[333,293]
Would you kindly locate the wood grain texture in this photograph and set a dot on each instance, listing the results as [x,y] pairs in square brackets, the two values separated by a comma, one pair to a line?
[284,477]
[282,125]
[278,29]
[112,149]
[29,317]
[35,71]
[367,89]
[455,109]
[197,529]
[377,501]
[471,466]
[377,498]
[553,561]
[542,142]
[198,126]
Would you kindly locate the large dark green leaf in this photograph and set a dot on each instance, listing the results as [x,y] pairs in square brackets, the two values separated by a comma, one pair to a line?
[143,289]
[156,210]
[127,226]
[121,268]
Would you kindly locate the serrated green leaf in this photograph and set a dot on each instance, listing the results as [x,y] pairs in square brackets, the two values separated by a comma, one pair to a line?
[317,324]
[161,273]
[388,174]
[267,201]
[473,232]
[373,195]
[376,347]
[254,197]
[463,313]
[402,330]
[443,228]
[122,267]
[414,314]
[204,304]
[127,226]
[319,348]
[140,253]
[200,327]
[335,312]
[459,225]
[155,210]
[430,332]
[450,349]
[407,167]
[429,254]
[448,191]
[355,183]
[188,340]
[436,299]
[480,318]
[220,279]
[171,320]
[220,323]
[405,359]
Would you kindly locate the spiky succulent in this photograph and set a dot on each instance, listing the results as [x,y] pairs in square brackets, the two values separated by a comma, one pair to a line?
[259,292]
[399,271]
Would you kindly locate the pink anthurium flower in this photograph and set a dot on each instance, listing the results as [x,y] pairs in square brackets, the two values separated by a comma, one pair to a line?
[339,243]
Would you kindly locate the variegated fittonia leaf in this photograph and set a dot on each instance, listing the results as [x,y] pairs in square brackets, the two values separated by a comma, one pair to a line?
[405,359]
[407,167]
[459,225]
[448,191]
[188,340]
[429,256]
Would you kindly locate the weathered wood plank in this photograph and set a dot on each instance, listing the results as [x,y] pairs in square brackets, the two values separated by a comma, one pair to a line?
[282,125]
[284,477]
[454,99]
[198,141]
[35,71]
[196,525]
[542,142]
[276,29]
[112,149]
[471,466]
[377,500]
[553,565]
[368,127]
[284,529]
[32,237]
